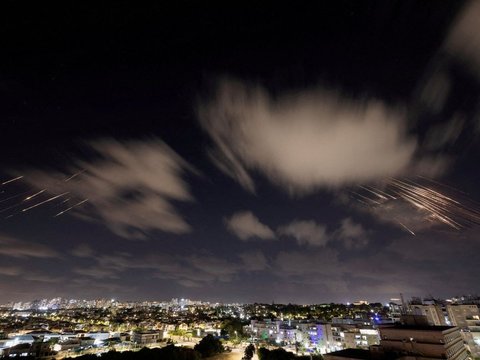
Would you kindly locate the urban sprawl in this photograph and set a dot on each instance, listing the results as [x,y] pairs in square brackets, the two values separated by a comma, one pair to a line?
[401,329]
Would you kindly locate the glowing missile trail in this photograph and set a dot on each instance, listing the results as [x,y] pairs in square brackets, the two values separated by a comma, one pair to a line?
[10,207]
[406,228]
[71,207]
[45,201]
[442,184]
[435,205]
[12,180]
[75,175]
[14,196]
[34,195]
[366,198]
[381,196]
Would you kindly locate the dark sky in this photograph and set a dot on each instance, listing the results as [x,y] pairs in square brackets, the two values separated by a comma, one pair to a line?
[307,153]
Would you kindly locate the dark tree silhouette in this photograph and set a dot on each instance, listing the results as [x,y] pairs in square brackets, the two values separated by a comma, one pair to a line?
[249,351]
[282,354]
[209,346]
[169,352]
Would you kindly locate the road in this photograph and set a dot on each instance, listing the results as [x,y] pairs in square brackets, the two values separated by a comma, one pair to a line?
[235,354]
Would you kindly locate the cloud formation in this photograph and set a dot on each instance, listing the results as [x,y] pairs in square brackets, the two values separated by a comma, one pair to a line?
[463,41]
[306,232]
[403,215]
[190,271]
[24,249]
[83,251]
[353,235]
[10,270]
[254,260]
[246,226]
[130,187]
[307,140]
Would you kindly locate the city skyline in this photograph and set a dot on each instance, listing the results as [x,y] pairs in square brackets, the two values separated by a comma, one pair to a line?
[61,302]
[327,153]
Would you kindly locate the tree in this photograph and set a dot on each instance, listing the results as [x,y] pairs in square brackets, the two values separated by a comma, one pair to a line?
[263,353]
[277,354]
[249,351]
[209,346]
[233,328]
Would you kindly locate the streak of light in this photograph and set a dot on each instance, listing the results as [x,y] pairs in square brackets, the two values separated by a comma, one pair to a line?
[10,207]
[440,206]
[406,228]
[381,196]
[12,180]
[45,201]
[390,196]
[14,196]
[34,195]
[75,175]
[441,184]
[366,198]
[363,202]
[71,207]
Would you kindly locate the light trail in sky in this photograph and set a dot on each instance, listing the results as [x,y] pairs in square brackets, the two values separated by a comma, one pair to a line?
[44,202]
[12,203]
[10,207]
[12,180]
[449,207]
[71,207]
[406,228]
[75,175]
[14,196]
[34,195]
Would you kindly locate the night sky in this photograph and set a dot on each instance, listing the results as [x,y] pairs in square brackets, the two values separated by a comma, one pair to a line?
[299,153]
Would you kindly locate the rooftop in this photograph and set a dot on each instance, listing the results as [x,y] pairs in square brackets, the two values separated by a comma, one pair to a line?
[418,327]
[352,353]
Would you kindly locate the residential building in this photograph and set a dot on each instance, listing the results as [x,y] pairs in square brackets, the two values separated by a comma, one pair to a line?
[440,342]
[463,316]
[410,342]
[467,318]
[147,337]
[432,312]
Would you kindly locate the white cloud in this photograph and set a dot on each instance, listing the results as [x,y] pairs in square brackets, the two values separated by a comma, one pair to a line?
[23,249]
[353,235]
[10,270]
[130,187]
[318,268]
[403,215]
[304,141]
[246,226]
[463,41]
[254,260]
[218,268]
[83,251]
[306,232]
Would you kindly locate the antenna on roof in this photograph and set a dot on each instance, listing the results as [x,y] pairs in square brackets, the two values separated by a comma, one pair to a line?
[404,306]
